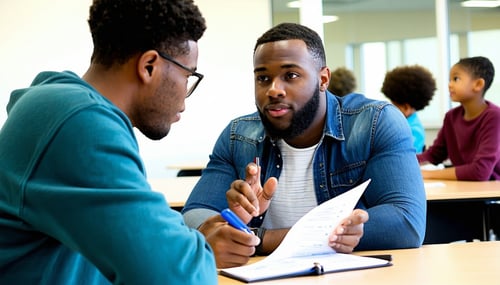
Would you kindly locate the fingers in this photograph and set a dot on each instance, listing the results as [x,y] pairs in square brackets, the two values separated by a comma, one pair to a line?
[253,174]
[211,224]
[345,243]
[242,197]
[231,247]
[242,200]
[348,234]
[359,216]
[266,194]
[247,198]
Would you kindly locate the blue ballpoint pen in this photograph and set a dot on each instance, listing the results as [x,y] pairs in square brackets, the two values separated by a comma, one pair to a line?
[234,221]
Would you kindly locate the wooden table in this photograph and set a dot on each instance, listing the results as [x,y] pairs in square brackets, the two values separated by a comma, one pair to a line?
[461,210]
[461,190]
[456,210]
[443,264]
[175,189]
[189,169]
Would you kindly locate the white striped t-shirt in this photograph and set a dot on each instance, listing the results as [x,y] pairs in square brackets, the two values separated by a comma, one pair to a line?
[295,194]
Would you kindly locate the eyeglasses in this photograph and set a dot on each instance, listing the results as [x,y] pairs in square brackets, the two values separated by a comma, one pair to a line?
[193,79]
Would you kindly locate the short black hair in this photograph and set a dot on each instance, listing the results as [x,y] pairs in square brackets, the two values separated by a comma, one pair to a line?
[292,31]
[412,84]
[479,67]
[342,81]
[124,28]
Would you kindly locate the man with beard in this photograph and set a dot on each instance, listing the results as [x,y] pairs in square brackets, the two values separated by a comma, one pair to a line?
[318,146]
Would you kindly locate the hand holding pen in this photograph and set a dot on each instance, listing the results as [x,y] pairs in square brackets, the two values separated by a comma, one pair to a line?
[248,198]
[231,246]
[234,221]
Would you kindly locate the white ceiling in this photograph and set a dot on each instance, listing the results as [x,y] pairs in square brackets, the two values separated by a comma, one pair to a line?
[335,6]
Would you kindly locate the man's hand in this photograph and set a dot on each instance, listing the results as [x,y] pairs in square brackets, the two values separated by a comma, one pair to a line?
[247,198]
[231,247]
[346,236]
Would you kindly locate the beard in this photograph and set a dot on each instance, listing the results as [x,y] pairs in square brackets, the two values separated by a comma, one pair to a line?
[301,120]
[151,119]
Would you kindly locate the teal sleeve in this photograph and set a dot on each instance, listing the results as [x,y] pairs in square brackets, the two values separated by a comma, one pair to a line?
[89,191]
[417,131]
[418,138]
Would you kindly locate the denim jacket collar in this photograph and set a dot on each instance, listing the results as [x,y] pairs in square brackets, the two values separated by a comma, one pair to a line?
[333,128]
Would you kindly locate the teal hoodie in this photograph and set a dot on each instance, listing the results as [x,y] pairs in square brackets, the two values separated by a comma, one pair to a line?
[75,205]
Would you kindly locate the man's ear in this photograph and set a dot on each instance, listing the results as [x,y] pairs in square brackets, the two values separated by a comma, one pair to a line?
[324,76]
[147,65]
[149,68]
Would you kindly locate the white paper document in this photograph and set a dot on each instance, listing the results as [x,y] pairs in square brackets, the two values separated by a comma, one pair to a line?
[305,250]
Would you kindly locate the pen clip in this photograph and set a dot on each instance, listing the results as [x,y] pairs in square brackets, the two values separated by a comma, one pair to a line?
[256,160]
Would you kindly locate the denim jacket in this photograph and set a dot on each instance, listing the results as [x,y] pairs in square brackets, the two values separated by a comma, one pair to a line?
[362,139]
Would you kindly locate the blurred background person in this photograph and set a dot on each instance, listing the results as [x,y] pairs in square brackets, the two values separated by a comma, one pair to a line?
[470,134]
[410,88]
[342,82]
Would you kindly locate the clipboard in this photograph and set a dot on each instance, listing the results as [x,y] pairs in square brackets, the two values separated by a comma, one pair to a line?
[305,250]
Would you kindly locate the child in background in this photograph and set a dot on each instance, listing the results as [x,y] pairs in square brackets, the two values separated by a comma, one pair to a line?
[410,88]
[342,82]
[470,135]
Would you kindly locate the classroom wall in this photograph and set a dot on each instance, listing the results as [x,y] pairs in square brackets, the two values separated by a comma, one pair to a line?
[54,35]
[356,28]
[385,26]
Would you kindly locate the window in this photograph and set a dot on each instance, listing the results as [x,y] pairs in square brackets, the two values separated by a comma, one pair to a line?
[372,37]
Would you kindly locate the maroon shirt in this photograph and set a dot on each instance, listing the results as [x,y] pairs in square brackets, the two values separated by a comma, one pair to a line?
[472,146]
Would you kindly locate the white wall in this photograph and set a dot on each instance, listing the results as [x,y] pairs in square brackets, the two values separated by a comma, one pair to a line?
[54,35]
[41,35]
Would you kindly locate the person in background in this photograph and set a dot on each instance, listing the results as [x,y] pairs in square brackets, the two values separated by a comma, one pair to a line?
[470,135]
[342,82]
[75,205]
[410,88]
[317,146]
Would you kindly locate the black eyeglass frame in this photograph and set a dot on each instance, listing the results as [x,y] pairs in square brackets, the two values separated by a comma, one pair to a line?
[193,73]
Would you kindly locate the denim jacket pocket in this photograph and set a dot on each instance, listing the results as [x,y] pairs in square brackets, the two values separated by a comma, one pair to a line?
[347,177]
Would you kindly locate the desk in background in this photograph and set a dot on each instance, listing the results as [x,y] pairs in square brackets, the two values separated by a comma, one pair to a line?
[456,209]
[441,264]
[460,210]
[448,190]
[188,169]
[175,189]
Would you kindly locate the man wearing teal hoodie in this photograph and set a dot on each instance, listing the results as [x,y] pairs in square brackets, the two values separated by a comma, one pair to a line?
[75,205]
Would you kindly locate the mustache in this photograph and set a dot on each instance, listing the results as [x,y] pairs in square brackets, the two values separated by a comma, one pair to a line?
[276,106]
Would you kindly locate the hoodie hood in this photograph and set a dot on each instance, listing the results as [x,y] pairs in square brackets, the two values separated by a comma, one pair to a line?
[44,79]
